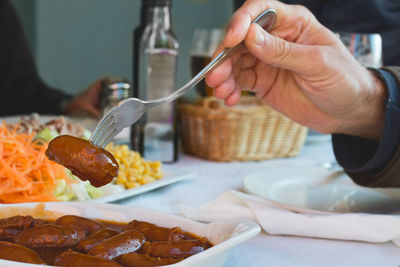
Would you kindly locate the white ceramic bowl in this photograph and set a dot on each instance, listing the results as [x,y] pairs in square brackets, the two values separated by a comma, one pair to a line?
[223,236]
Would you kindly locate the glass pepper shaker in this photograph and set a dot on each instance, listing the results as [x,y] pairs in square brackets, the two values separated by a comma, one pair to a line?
[113,91]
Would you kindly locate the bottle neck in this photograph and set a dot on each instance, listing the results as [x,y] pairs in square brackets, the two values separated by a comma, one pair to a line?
[159,17]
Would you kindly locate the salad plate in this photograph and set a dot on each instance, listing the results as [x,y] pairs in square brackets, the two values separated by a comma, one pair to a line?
[170,177]
[223,235]
[88,122]
[313,189]
[83,191]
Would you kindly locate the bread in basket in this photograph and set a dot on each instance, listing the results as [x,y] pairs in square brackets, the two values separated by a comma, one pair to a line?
[249,131]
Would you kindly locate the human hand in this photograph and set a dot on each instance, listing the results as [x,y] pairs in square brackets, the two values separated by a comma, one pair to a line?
[301,69]
[88,102]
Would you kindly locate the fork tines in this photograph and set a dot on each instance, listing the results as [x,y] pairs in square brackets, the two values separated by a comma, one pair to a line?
[105,130]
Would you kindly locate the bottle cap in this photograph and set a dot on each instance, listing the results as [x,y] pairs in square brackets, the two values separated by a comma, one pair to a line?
[154,3]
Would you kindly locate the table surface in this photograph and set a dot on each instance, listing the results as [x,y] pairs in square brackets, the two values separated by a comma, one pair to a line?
[213,179]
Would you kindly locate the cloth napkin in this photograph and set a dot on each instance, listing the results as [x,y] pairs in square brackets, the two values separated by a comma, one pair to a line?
[275,220]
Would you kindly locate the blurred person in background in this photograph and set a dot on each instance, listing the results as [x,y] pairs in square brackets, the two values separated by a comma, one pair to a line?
[304,71]
[22,91]
[359,16]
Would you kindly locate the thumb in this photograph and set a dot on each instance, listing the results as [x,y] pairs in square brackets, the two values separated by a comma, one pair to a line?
[278,52]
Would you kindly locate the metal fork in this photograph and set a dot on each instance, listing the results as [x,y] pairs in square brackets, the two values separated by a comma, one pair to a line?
[131,110]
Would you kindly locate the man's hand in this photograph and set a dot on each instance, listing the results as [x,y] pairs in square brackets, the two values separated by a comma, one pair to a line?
[301,69]
[86,103]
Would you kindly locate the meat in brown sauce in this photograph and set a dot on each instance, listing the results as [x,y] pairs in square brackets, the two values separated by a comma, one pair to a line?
[125,242]
[50,235]
[143,260]
[153,232]
[48,242]
[84,159]
[88,225]
[72,259]
[177,249]
[91,241]
[10,227]
[37,222]
[14,252]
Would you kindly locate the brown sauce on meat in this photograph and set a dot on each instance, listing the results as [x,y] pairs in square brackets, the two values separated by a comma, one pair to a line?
[11,226]
[174,249]
[88,225]
[84,159]
[95,239]
[77,241]
[71,258]
[143,260]
[15,252]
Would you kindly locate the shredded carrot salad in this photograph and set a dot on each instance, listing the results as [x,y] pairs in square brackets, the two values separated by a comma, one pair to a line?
[26,174]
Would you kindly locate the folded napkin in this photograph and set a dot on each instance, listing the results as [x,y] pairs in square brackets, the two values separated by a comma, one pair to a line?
[238,206]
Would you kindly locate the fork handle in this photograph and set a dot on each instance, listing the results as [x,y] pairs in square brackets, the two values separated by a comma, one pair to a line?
[266,19]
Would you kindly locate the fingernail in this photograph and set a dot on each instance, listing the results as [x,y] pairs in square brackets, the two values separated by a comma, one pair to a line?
[259,38]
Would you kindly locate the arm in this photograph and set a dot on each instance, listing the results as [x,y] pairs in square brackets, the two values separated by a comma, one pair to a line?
[369,162]
[303,70]
[22,91]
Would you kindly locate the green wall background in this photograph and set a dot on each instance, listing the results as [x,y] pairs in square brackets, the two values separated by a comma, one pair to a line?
[75,42]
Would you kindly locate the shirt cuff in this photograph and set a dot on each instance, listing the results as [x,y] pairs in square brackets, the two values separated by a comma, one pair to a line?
[360,155]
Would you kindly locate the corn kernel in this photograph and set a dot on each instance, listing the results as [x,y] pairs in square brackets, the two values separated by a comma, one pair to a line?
[133,169]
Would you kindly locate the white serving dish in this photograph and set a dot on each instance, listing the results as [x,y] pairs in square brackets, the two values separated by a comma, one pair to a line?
[224,236]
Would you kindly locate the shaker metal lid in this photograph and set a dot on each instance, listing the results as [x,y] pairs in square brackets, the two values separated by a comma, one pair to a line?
[115,88]
[119,85]
[113,83]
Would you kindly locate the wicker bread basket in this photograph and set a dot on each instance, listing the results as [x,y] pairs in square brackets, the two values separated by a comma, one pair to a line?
[248,131]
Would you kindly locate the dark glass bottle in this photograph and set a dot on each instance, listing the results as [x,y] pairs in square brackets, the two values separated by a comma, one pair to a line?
[155,136]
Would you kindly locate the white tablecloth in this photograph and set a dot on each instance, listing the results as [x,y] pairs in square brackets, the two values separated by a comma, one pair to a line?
[213,179]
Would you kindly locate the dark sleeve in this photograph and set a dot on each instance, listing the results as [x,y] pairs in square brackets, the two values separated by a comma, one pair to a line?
[21,89]
[375,163]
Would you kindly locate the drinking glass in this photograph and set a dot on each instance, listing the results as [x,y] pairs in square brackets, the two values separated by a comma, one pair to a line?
[205,42]
[365,47]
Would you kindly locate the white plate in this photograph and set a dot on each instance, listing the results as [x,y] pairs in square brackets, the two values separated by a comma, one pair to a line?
[224,235]
[170,177]
[87,122]
[303,188]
